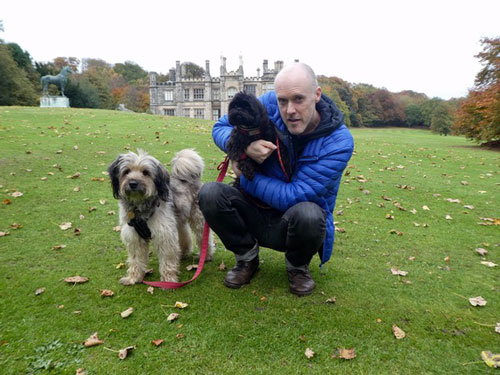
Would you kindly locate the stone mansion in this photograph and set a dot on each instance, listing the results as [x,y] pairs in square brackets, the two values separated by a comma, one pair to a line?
[206,97]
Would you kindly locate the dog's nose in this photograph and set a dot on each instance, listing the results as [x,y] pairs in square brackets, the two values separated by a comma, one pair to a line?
[133,184]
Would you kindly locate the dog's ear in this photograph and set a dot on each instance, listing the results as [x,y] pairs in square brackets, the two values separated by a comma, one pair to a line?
[114,175]
[162,181]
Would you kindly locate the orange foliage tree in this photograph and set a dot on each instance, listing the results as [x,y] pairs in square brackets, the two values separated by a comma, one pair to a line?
[478,116]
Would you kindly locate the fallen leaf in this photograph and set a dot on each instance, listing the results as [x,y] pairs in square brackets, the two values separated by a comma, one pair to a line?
[469,207]
[497,328]
[127,313]
[3,234]
[344,353]
[39,291]
[16,226]
[263,299]
[492,360]
[446,259]
[394,231]
[389,217]
[150,290]
[81,371]
[309,353]
[122,353]
[120,266]
[191,267]
[107,293]
[448,217]
[6,201]
[117,228]
[102,201]
[58,247]
[426,208]
[453,200]
[93,340]
[172,317]
[77,232]
[157,342]
[489,264]
[76,189]
[65,226]
[477,301]
[330,300]
[481,251]
[17,194]
[181,305]
[398,332]
[76,279]
[179,336]
[397,272]
[222,266]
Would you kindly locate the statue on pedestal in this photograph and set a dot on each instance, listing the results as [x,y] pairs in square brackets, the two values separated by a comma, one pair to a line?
[59,80]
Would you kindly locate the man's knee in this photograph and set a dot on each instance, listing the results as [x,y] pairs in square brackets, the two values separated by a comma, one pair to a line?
[307,217]
[208,195]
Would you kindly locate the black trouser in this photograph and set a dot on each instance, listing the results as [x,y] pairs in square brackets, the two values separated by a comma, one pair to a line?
[239,223]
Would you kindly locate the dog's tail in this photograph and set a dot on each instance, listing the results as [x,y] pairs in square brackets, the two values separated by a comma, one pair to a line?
[187,165]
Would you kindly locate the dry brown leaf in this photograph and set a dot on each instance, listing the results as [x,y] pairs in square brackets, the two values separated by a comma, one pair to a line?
[122,353]
[3,234]
[107,293]
[157,342]
[477,301]
[127,313]
[398,332]
[222,266]
[81,371]
[58,247]
[309,353]
[65,226]
[76,279]
[6,201]
[481,251]
[330,300]
[39,291]
[394,231]
[172,317]
[398,272]
[16,226]
[93,340]
[344,353]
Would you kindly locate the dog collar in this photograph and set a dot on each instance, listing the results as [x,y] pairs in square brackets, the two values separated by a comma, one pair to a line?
[253,133]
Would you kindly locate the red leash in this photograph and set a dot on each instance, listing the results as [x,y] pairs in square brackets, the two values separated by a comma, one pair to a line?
[222,167]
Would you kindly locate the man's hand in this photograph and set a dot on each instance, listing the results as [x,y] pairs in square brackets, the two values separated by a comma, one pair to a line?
[235,168]
[260,150]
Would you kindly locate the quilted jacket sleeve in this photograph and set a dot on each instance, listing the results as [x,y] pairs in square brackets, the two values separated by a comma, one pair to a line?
[221,131]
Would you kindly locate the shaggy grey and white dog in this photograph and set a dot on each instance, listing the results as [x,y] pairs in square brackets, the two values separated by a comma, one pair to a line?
[158,208]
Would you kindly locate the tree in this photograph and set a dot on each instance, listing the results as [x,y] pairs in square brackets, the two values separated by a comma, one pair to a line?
[191,70]
[130,71]
[15,87]
[441,120]
[24,61]
[414,115]
[478,116]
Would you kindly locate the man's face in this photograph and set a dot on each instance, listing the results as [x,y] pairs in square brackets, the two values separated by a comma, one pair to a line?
[297,100]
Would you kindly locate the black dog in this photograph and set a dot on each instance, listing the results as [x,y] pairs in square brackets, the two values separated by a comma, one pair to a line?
[251,122]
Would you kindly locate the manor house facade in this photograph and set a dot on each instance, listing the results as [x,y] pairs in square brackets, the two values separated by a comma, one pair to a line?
[206,97]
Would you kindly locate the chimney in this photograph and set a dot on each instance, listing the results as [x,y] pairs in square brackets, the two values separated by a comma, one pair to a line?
[207,67]
[177,70]
[152,78]
[264,67]
[223,70]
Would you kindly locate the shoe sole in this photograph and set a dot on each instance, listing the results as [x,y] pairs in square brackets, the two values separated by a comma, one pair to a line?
[301,294]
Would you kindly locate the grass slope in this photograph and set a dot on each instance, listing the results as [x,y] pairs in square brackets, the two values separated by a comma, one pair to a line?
[261,328]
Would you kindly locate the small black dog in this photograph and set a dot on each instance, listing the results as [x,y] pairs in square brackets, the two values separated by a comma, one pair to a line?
[251,122]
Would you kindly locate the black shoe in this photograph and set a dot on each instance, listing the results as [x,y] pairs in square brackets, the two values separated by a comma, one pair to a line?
[242,273]
[301,282]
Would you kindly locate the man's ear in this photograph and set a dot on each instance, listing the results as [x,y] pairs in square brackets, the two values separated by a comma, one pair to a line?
[317,94]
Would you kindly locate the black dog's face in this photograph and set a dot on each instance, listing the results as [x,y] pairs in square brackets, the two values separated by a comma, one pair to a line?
[246,111]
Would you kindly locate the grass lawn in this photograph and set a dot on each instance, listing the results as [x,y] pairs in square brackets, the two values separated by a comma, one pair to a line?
[410,200]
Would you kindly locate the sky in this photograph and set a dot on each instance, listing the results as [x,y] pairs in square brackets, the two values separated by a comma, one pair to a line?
[424,46]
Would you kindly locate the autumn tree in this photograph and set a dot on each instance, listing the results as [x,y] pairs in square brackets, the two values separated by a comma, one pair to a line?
[15,85]
[478,116]
[441,120]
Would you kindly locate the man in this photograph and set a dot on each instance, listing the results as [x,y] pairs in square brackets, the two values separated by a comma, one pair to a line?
[296,217]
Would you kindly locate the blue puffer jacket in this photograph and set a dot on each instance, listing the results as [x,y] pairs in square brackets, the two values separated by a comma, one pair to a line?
[318,160]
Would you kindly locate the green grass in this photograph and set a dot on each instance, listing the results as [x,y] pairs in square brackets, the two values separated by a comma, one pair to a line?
[228,331]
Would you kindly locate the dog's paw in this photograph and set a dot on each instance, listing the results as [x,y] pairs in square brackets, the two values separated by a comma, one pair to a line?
[170,277]
[127,280]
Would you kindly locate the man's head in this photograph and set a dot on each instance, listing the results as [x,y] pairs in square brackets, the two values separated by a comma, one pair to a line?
[298,92]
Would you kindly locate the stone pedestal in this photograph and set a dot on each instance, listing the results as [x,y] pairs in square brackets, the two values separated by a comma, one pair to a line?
[54,102]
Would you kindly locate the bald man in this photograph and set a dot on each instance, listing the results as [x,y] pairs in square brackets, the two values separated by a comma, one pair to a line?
[297,217]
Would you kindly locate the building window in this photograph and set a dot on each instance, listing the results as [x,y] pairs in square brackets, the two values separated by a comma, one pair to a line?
[215,94]
[250,89]
[169,112]
[186,94]
[231,92]
[198,94]
[215,114]
[199,113]
[186,112]
[169,95]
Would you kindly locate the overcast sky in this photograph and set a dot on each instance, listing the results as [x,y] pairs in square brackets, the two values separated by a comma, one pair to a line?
[424,46]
